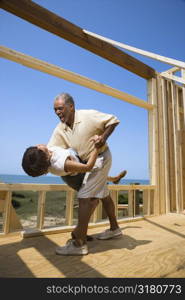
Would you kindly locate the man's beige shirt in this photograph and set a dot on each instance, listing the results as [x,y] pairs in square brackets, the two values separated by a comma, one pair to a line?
[87,123]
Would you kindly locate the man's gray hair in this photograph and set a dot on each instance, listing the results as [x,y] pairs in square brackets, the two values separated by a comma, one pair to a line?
[67,97]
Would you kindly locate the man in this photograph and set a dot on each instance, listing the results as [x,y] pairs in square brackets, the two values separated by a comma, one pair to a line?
[75,131]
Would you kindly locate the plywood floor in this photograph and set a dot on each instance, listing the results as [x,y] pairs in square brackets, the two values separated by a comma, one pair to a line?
[149,248]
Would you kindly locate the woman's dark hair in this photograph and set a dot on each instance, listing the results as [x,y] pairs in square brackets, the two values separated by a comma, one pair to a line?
[35,162]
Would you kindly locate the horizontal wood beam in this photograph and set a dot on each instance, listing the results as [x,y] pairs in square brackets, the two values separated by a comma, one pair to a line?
[53,23]
[172,70]
[164,59]
[34,187]
[64,187]
[70,76]
[172,77]
[32,232]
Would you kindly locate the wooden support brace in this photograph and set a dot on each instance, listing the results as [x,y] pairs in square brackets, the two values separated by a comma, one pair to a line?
[164,59]
[146,202]
[69,207]
[172,70]
[51,69]
[40,16]
[7,213]
[173,77]
[41,209]
[131,201]
[114,196]
[99,211]
[94,217]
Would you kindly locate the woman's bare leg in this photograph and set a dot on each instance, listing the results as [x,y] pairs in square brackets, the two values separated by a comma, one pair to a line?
[116,179]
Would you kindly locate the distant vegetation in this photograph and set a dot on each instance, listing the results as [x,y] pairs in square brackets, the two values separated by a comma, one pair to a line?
[26,202]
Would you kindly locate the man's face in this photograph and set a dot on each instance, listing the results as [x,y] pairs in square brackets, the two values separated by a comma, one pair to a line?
[65,112]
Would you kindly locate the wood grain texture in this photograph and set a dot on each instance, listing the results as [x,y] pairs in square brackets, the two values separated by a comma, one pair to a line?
[59,72]
[57,25]
[151,248]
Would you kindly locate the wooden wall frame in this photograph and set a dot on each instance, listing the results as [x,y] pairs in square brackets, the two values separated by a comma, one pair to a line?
[166,98]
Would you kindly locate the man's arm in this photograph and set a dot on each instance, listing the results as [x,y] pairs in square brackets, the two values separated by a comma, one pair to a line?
[101,139]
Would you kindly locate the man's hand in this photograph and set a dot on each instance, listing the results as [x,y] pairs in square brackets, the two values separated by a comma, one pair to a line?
[98,140]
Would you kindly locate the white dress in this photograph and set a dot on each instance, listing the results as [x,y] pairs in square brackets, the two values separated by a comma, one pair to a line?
[58,158]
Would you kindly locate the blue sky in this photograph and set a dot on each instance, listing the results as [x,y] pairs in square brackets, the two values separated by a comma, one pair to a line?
[26,106]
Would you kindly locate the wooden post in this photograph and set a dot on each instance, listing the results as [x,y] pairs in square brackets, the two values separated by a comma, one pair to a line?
[171,149]
[165,104]
[94,216]
[180,157]
[161,135]
[131,201]
[6,219]
[99,211]
[69,207]
[146,202]
[114,196]
[2,201]
[154,143]
[183,138]
[14,222]
[2,205]
[97,215]
[136,200]
[176,146]
[41,209]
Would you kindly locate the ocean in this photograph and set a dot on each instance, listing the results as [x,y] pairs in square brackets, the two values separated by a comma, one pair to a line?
[7,178]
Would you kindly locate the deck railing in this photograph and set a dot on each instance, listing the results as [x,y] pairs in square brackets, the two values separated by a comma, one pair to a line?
[138,202]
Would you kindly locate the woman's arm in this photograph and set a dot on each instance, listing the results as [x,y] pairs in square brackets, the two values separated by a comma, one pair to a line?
[73,166]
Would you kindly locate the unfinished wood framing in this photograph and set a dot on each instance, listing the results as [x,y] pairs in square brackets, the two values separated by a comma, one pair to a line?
[53,23]
[94,216]
[173,77]
[167,148]
[7,212]
[146,202]
[131,203]
[41,209]
[153,131]
[175,112]
[182,124]
[64,187]
[164,59]
[11,222]
[166,144]
[69,207]
[162,195]
[114,196]
[56,71]
[11,225]
[166,125]
[172,70]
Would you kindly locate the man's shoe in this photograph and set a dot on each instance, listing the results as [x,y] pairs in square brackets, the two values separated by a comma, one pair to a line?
[71,249]
[89,238]
[109,234]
